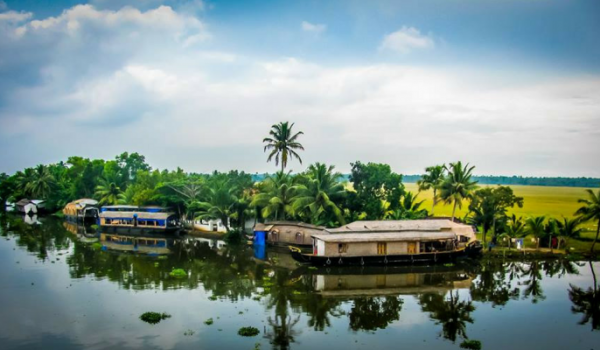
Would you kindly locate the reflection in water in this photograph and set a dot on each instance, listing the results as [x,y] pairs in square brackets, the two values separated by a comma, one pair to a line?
[587,302]
[297,301]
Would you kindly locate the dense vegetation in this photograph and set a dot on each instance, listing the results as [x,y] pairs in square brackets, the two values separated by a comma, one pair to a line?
[318,195]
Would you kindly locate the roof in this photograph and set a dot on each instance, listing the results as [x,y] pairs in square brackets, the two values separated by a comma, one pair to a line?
[37,201]
[129,215]
[387,237]
[120,207]
[396,226]
[23,202]
[86,201]
[269,225]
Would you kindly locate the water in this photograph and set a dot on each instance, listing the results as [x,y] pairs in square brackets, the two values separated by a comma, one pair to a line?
[59,291]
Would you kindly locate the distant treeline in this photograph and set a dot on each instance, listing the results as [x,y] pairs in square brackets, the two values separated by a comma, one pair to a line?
[502,180]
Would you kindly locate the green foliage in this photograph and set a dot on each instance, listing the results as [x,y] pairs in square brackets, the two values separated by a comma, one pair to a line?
[178,273]
[457,185]
[283,144]
[471,344]
[97,246]
[209,322]
[154,317]
[488,207]
[432,179]
[248,331]
[590,211]
[375,184]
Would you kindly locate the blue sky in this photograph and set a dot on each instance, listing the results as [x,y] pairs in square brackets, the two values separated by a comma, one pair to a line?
[511,86]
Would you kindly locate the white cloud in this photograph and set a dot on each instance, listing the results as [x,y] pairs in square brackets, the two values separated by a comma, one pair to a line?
[405,40]
[313,28]
[15,17]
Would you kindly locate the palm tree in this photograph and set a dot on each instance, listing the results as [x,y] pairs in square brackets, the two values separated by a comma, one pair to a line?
[276,197]
[219,202]
[41,183]
[283,144]
[432,179]
[409,209]
[551,229]
[319,192]
[569,228]
[514,229]
[535,226]
[457,185]
[108,192]
[590,211]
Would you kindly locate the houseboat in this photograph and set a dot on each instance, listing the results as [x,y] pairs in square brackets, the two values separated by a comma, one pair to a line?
[127,218]
[284,233]
[85,210]
[391,243]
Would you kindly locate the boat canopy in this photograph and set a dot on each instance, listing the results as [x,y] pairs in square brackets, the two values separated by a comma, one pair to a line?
[396,226]
[140,215]
[405,236]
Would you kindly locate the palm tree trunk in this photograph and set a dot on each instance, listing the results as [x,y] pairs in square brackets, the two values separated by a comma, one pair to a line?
[596,238]
[433,205]
[538,244]
[558,246]
[454,210]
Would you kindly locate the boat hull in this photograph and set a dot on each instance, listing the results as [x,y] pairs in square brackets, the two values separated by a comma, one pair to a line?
[382,260]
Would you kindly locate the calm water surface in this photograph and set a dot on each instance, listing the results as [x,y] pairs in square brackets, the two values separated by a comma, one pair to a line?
[60,291]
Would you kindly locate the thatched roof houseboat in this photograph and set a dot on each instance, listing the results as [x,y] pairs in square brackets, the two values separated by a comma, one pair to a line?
[284,233]
[82,209]
[391,242]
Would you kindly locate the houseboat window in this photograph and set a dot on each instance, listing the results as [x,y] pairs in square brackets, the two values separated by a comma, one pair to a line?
[381,248]
[343,247]
[464,239]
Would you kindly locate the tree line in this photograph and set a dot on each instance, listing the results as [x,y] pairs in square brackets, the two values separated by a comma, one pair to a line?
[319,195]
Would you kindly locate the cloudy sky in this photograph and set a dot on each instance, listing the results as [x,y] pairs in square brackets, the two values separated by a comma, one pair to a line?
[511,86]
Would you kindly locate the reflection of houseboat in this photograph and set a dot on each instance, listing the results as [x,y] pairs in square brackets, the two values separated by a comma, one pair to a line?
[82,209]
[394,282]
[391,242]
[286,233]
[136,243]
[82,232]
[214,225]
[144,219]
[30,206]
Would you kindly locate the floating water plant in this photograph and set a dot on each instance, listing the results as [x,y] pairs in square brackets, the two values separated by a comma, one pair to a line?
[97,246]
[471,344]
[178,273]
[248,331]
[209,322]
[189,332]
[154,317]
[212,297]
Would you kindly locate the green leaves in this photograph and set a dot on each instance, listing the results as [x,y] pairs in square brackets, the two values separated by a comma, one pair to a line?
[283,144]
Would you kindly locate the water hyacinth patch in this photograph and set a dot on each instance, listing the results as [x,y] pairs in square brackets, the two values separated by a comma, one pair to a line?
[248,331]
[154,317]
[471,344]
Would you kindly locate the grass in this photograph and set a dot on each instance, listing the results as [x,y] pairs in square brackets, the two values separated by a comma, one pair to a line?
[552,202]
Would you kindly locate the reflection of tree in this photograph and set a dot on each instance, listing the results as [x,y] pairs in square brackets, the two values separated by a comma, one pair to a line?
[371,313]
[452,313]
[533,287]
[319,309]
[560,268]
[493,285]
[38,239]
[587,302]
[282,324]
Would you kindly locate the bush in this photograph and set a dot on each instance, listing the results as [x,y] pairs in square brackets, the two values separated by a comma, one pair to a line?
[97,246]
[248,331]
[471,344]
[178,273]
[234,236]
[153,317]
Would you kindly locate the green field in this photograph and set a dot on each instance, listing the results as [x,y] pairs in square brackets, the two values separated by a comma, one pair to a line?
[555,202]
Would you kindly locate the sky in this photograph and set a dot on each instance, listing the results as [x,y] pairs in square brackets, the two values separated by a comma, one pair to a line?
[512,86]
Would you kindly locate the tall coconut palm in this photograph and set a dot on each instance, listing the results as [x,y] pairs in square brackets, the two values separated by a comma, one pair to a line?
[41,183]
[108,192]
[535,226]
[319,194]
[283,144]
[590,211]
[457,185]
[276,197]
[432,179]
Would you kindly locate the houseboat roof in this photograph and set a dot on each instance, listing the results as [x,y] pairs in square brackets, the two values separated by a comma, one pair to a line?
[23,201]
[120,206]
[269,225]
[80,203]
[140,215]
[396,226]
[406,236]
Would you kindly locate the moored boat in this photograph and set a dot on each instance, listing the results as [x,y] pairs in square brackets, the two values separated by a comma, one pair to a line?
[85,210]
[126,218]
[391,243]
[284,233]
